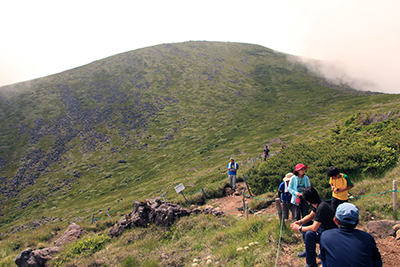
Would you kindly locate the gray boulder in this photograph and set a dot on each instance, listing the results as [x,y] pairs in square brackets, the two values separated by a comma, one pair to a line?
[72,233]
[35,258]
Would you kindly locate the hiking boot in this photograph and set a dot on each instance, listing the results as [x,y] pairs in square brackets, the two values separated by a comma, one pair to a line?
[311,265]
[301,254]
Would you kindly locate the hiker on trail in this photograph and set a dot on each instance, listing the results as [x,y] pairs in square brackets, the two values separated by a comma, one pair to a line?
[296,186]
[340,184]
[319,220]
[285,196]
[348,246]
[232,168]
[266,152]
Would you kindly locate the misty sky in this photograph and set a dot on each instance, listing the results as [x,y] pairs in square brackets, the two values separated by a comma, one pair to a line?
[359,38]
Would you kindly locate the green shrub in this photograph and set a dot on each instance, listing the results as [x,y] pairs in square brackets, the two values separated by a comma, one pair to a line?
[89,245]
[16,245]
[355,149]
[84,247]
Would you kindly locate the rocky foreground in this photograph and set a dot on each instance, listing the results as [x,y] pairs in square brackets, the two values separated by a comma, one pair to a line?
[152,211]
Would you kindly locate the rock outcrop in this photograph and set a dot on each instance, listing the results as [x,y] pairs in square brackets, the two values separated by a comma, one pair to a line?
[154,211]
[39,257]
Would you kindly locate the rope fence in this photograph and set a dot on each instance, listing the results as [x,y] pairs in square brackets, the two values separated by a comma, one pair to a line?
[280,213]
[108,214]
[245,207]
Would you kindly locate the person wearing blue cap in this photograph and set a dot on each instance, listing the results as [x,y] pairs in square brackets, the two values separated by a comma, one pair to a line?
[347,246]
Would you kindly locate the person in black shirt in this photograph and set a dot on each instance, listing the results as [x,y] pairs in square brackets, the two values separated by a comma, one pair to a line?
[312,225]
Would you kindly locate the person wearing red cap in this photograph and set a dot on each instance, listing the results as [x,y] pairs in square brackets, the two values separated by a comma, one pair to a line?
[296,186]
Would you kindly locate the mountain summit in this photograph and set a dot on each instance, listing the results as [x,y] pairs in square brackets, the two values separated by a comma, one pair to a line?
[138,123]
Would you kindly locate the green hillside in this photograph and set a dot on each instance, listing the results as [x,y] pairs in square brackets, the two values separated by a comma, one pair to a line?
[135,125]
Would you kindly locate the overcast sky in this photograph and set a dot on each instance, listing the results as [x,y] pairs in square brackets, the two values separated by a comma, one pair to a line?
[360,38]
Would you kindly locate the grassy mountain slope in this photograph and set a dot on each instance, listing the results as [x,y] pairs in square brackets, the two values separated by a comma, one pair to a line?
[136,124]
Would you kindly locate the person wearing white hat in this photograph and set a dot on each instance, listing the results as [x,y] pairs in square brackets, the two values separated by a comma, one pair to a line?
[285,196]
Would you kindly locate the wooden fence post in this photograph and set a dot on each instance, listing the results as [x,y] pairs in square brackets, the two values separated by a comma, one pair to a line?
[93,220]
[244,201]
[247,186]
[279,209]
[395,199]
[247,210]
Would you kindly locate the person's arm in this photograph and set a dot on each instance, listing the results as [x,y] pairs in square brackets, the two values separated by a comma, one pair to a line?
[332,186]
[308,183]
[295,226]
[313,227]
[349,184]
[230,167]
[344,189]
[322,250]
[293,187]
[280,190]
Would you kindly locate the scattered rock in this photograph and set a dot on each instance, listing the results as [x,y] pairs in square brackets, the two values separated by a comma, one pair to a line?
[396,227]
[380,229]
[229,191]
[164,256]
[72,233]
[398,235]
[35,258]
[35,224]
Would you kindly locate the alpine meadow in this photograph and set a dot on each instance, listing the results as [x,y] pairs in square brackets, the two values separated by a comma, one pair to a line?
[133,126]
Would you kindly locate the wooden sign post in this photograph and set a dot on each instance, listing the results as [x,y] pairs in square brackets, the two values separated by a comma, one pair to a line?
[179,189]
